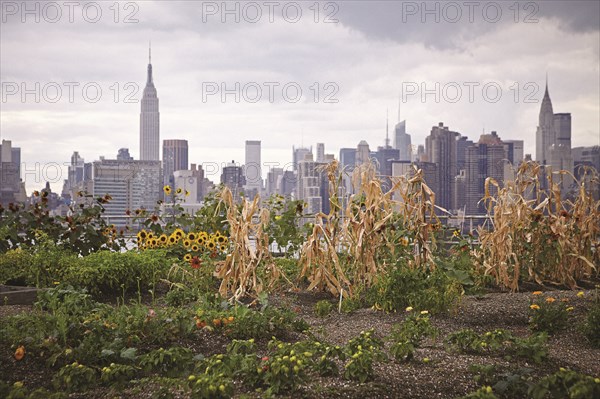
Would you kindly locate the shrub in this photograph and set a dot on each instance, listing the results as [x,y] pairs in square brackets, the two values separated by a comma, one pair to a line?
[402,287]
[39,266]
[114,272]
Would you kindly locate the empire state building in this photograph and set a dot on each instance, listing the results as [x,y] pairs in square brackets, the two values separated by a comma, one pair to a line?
[149,120]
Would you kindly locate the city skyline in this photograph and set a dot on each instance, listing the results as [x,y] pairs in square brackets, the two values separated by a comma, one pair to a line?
[564,44]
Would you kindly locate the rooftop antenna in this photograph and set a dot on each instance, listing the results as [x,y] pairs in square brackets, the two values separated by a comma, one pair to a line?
[149,52]
[387,128]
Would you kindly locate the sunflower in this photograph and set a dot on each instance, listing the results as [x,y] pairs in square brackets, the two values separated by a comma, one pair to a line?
[154,242]
[187,257]
[150,235]
[172,239]
[187,243]
[210,244]
[192,236]
[178,191]
[222,248]
[167,190]
[179,233]
[221,239]
[187,193]
[142,234]
[195,262]
[195,248]
[163,238]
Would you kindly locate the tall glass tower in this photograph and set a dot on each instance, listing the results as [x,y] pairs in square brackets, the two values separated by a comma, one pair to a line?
[149,120]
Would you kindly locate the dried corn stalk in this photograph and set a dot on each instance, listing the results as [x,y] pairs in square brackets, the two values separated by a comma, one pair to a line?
[318,256]
[239,269]
[416,206]
[367,213]
[547,238]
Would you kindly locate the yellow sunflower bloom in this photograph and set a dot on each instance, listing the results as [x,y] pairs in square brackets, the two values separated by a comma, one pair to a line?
[187,257]
[191,236]
[195,248]
[167,190]
[178,191]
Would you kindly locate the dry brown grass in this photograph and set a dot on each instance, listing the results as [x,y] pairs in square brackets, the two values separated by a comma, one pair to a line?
[545,238]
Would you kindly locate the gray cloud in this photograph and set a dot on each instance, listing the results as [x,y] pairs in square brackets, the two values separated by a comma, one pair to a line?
[369,55]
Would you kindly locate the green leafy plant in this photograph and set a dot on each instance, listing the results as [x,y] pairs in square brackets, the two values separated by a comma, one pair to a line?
[566,383]
[547,313]
[401,286]
[499,342]
[409,335]
[210,386]
[591,325]
[323,308]
[286,368]
[83,231]
[283,229]
[172,362]
[75,377]
[117,374]
[482,393]
[362,352]
[109,272]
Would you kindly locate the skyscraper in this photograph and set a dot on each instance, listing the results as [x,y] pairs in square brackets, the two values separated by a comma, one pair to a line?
[252,168]
[233,177]
[131,184]
[440,146]
[298,155]
[545,131]
[363,153]
[553,140]
[320,152]
[11,186]
[402,141]
[149,120]
[484,159]
[312,185]
[175,157]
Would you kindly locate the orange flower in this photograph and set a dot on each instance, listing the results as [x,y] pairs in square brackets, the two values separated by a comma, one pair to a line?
[537,293]
[217,322]
[550,299]
[20,352]
[534,306]
[200,323]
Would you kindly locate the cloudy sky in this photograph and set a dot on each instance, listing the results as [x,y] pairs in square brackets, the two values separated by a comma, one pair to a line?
[486,62]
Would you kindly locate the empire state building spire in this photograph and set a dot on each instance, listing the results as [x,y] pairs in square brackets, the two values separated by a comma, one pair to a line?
[149,119]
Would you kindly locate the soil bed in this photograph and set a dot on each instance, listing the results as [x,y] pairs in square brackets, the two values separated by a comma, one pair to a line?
[443,375]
